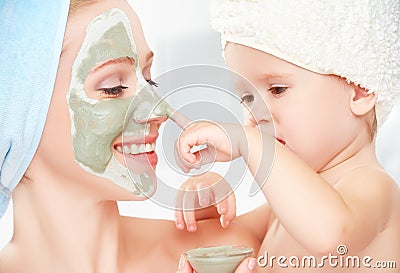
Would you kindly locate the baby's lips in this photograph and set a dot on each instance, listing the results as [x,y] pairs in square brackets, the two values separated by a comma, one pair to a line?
[281,141]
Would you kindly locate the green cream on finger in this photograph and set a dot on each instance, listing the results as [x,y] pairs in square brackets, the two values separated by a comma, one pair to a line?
[97,123]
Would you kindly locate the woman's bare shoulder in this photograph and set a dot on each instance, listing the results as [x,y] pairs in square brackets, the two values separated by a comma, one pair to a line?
[7,259]
[141,227]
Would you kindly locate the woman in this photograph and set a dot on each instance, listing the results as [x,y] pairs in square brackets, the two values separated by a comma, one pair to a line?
[66,217]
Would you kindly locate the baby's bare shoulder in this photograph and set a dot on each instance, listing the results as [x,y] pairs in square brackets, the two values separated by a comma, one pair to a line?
[371,187]
[368,180]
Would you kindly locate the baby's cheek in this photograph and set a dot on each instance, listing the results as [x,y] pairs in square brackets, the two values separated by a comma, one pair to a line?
[314,150]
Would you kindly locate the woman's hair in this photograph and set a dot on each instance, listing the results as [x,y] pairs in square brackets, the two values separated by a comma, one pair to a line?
[373,125]
[76,4]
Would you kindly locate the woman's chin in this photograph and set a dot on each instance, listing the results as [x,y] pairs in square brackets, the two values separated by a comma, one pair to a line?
[141,169]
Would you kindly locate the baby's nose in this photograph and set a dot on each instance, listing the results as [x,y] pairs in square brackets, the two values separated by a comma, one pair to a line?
[267,127]
[255,117]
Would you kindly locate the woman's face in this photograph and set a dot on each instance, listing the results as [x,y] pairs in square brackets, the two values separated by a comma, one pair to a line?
[114,115]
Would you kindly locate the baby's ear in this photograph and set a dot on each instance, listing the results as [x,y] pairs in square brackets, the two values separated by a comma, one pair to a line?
[361,101]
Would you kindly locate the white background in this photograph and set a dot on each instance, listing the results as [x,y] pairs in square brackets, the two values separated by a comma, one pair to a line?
[178,32]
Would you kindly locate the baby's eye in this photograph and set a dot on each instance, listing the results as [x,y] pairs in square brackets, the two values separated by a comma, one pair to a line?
[247,99]
[113,92]
[277,90]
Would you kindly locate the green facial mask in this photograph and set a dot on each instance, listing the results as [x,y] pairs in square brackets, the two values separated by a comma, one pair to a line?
[97,123]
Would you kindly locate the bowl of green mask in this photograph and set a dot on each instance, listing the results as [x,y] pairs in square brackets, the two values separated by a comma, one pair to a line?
[217,259]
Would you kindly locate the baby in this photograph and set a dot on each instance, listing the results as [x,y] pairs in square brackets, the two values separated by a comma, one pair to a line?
[329,72]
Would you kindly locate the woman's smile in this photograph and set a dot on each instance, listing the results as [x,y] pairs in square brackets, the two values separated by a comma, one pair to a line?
[133,150]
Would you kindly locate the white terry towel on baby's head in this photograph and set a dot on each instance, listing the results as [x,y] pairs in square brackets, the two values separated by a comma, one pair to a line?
[31,35]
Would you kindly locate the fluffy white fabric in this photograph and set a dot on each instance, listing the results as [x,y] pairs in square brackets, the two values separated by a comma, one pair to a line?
[357,40]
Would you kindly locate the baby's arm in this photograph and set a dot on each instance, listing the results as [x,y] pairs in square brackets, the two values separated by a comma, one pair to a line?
[256,221]
[316,214]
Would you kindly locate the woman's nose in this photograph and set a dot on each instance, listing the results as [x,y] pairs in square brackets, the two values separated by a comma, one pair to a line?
[158,119]
[153,119]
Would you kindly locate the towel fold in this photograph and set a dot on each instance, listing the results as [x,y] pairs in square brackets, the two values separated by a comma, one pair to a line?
[31,36]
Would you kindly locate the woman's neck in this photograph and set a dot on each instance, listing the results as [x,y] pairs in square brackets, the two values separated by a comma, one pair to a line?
[58,228]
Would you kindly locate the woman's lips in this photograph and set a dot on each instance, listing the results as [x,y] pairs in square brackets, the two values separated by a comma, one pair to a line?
[150,158]
[142,155]
[136,151]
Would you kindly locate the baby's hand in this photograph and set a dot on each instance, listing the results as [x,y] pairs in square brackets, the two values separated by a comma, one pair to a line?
[199,196]
[222,142]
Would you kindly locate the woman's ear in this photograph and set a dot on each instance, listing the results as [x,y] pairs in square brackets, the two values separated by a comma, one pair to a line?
[361,101]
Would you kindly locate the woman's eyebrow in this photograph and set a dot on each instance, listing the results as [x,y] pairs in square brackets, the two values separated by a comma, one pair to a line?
[126,60]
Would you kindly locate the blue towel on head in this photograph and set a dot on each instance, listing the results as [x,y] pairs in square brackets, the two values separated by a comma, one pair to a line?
[31,36]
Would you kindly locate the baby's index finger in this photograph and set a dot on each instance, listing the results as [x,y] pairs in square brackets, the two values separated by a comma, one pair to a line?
[181,120]
[189,158]
[187,151]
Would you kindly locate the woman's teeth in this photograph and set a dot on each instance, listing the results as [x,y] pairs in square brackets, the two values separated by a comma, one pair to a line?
[141,132]
[136,148]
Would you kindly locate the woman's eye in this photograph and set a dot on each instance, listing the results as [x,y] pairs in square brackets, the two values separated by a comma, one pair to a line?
[152,83]
[277,90]
[115,91]
[247,99]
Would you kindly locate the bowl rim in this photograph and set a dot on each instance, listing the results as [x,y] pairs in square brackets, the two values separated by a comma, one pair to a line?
[244,251]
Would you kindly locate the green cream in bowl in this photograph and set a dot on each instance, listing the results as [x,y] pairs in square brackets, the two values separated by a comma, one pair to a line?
[217,259]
